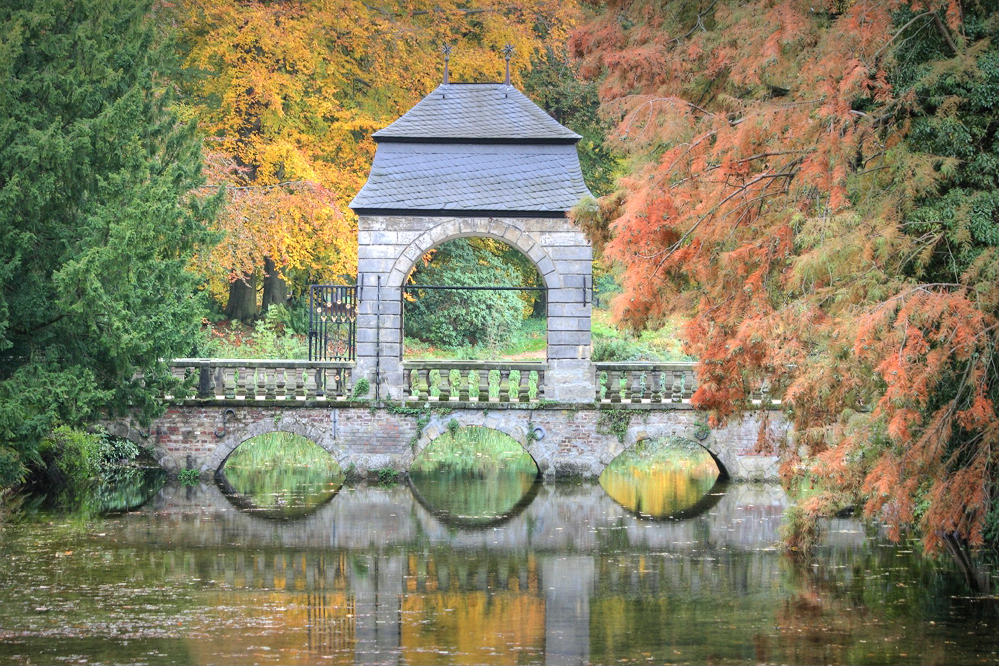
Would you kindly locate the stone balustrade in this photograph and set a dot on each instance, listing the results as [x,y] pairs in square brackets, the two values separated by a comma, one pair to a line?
[474,381]
[436,381]
[655,383]
[260,379]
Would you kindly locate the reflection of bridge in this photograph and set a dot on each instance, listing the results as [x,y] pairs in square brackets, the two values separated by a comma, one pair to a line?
[579,518]
[385,561]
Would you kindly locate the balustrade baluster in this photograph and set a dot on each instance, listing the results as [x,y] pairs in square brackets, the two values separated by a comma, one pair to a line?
[533,385]
[494,385]
[270,382]
[311,388]
[280,383]
[689,384]
[625,383]
[513,386]
[241,376]
[676,395]
[299,376]
[434,384]
[414,384]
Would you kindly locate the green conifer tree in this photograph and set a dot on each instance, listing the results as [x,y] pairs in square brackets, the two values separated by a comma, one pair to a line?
[97,221]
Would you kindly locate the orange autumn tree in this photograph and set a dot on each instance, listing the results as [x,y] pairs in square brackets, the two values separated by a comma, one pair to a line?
[812,184]
[290,92]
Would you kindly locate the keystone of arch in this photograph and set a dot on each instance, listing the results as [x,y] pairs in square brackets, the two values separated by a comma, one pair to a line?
[501,230]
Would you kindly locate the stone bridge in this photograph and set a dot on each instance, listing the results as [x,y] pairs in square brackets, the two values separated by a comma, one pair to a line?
[563,439]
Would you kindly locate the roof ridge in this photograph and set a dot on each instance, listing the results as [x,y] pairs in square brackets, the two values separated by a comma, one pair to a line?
[469,111]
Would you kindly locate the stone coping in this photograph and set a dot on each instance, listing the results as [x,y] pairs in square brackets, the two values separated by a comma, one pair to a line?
[422,404]
[639,366]
[256,363]
[475,365]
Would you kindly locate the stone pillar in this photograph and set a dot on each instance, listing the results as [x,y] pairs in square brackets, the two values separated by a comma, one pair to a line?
[379,336]
[379,308]
[571,377]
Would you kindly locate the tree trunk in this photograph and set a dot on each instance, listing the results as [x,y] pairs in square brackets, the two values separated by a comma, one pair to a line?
[275,288]
[242,303]
[540,305]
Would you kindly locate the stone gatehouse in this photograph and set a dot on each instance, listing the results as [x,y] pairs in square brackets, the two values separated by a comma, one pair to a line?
[474,160]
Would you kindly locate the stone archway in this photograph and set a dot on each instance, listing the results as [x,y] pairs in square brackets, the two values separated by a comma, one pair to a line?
[502,230]
[388,248]
[723,456]
[508,424]
[241,434]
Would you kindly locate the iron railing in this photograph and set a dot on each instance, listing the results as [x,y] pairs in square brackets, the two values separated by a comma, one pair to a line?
[332,322]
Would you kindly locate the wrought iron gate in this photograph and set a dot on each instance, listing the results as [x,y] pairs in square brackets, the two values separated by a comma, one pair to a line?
[332,322]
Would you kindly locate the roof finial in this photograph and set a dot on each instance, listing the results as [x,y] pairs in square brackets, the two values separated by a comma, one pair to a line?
[508,51]
[447,56]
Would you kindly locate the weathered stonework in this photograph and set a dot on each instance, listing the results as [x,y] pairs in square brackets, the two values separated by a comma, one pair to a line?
[564,440]
[390,245]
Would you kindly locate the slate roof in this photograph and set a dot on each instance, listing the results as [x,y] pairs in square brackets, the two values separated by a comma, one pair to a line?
[468,149]
[432,177]
[476,111]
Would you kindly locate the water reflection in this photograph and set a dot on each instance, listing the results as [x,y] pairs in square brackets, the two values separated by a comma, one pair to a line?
[475,500]
[664,480]
[116,490]
[375,577]
[280,475]
[285,493]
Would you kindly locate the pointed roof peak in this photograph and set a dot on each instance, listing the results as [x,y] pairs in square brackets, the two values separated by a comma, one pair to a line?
[476,113]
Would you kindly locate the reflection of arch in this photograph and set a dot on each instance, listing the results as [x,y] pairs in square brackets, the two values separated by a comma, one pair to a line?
[476,419]
[246,505]
[446,518]
[216,460]
[502,230]
[707,502]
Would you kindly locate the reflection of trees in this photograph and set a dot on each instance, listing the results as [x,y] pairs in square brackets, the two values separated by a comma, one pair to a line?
[282,492]
[660,486]
[872,605]
[480,500]
[121,489]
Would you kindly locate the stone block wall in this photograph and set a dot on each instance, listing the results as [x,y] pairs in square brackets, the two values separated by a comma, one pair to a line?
[564,440]
[389,247]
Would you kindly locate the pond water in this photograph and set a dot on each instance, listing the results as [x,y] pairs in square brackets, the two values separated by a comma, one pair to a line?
[470,570]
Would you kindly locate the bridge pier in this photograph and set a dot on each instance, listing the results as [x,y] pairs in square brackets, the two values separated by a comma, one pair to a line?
[564,439]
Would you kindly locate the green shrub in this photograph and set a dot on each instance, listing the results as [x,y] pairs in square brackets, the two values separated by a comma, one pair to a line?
[188,477]
[70,457]
[361,389]
[12,471]
[621,350]
[455,318]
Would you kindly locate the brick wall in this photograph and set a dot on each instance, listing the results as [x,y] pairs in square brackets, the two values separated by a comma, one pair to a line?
[567,439]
